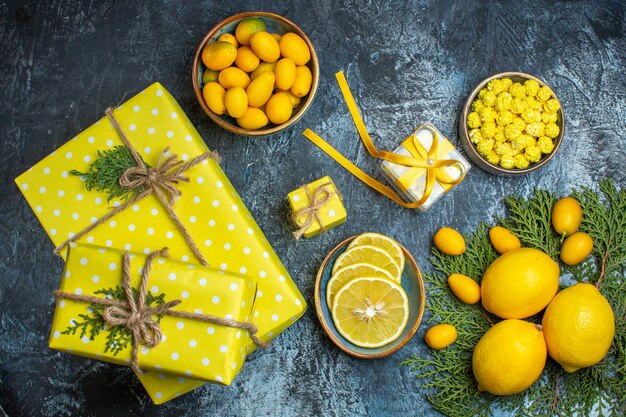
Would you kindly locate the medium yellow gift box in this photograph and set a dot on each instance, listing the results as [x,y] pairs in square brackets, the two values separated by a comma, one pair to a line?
[188,347]
[209,207]
[316,207]
[411,182]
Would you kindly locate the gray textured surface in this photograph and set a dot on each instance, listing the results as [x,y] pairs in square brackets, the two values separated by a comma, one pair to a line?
[63,62]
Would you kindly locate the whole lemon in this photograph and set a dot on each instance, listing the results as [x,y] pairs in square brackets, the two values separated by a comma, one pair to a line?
[230,38]
[440,336]
[509,357]
[503,240]
[209,75]
[302,84]
[265,46]
[295,48]
[566,216]
[465,288]
[576,248]
[519,283]
[449,241]
[248,27]
[263,67]
[219,55]
[579,326]
[278,108]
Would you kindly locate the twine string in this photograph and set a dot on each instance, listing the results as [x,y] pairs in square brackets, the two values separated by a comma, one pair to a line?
[316,201]
[137,317]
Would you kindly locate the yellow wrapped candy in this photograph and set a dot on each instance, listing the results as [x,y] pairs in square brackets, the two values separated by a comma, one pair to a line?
[316,207]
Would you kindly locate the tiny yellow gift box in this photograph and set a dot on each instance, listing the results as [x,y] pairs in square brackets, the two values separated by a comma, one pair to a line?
[208,206]
[448,167]
[316,207]
[188,347]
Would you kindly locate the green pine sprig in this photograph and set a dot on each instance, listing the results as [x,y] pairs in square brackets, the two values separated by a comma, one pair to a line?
[118,337]
[104,173]
[446,375]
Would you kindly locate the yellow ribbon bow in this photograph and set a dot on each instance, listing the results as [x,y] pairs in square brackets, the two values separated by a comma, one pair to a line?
[420,160]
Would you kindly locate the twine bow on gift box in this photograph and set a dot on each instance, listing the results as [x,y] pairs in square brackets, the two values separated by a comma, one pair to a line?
[322,195]
[159,181]
[420,161]
[137,316]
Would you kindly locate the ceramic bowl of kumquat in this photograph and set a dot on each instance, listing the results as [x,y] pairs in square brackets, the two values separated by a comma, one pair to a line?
[255,73]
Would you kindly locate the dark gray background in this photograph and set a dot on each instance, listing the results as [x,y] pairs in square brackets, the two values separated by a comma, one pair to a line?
[63,62]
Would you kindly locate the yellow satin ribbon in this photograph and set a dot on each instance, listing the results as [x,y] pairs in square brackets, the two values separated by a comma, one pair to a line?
[425,160]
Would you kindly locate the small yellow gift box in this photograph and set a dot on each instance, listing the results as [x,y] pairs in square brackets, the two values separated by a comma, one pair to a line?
[188,347]
[316,207]
[412,182]
[208,207]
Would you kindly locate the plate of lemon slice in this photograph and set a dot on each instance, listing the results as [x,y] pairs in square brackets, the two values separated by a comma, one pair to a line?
[369,295]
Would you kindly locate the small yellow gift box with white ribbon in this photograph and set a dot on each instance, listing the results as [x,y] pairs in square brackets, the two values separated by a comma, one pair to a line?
[154,313]
[316,207]
[179,197]
[413,183]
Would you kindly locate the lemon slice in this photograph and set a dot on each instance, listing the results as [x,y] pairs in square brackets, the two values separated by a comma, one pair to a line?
[370,255]
[370,312]
[349,272]
[392,247]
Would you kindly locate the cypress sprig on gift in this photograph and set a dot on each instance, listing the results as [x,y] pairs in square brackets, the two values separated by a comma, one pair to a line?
[118,337]
[104,173]
[446,375]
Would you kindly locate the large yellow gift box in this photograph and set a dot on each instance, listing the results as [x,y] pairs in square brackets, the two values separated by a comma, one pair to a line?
[188,347]
[209,208]
[412,182]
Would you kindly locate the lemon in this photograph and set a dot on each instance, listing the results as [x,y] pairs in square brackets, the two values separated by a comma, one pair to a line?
[252,119]
[265,46]
[503,240]
[440,336]
[246,59]
[566,216]
[302,84]
[263,67]
[295,48]
[278,108]
[465,288]
[449,241]
[345,274]
[519,283]
[248,27]
[285,72]
[392,247]
[370,312]
[579,326]
[213,94]
[236,101]
[219,55]
[576,248]
[230,38]
[371,255]
[260,89]
[509,357]
[233,77]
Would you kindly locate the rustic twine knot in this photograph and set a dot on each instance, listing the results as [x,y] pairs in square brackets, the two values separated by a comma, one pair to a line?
[160,181]
[138,317]
[316,201]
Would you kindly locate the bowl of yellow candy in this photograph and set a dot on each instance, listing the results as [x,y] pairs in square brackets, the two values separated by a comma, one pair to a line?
[512,123]
[255,73]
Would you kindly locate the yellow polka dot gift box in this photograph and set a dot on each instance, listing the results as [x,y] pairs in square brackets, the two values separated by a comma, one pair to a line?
[206,205]
[200,346]
[316,207]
